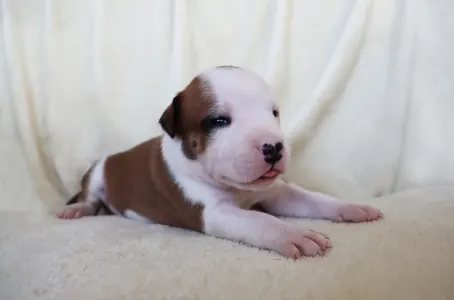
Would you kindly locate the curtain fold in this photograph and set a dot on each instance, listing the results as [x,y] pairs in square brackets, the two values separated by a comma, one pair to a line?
[365,86]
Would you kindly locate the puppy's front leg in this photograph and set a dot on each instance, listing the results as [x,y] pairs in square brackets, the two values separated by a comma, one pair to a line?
[293,201]
[263,231]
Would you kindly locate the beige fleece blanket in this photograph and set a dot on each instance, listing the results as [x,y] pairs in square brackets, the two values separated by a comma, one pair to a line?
[366,92]
[408,255]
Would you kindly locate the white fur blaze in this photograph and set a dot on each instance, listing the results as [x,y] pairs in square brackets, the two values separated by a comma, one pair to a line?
[96,185]
[132,215]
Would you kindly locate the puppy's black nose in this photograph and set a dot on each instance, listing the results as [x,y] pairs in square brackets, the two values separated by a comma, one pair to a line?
[272,153]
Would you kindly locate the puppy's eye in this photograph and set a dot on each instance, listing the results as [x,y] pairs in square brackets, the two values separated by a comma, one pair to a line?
[210,123]
[220,121]
[275,113]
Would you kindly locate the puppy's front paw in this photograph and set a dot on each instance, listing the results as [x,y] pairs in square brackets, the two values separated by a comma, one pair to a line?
[302,242]
[358,213]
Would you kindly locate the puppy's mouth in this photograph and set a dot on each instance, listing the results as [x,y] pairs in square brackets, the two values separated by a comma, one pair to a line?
[266,179]
[268,176]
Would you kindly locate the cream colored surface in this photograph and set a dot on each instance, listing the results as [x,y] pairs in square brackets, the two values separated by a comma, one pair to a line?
[367,101]
[407,256]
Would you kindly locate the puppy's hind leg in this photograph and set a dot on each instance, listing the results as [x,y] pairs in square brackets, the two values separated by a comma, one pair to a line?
[88,202]
[78,207]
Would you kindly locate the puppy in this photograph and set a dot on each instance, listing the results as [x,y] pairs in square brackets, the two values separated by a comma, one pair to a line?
[217,170]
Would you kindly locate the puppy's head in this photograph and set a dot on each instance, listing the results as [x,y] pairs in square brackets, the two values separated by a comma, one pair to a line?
[227,122]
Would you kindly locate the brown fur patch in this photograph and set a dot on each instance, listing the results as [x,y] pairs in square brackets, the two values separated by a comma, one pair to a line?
[182,119]
[138,179]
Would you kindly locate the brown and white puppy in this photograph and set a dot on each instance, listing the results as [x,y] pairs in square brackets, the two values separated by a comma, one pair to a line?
[222,156]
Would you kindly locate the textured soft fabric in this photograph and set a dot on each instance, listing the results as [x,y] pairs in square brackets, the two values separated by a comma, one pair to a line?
[366,95]
[408,255]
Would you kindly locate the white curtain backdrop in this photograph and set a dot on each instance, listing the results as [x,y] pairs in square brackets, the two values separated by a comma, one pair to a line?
[366,87]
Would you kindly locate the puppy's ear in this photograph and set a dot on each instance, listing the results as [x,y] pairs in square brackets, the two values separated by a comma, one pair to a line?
[171,116]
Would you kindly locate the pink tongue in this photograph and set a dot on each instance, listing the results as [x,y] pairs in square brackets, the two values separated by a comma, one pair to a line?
[270,173]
